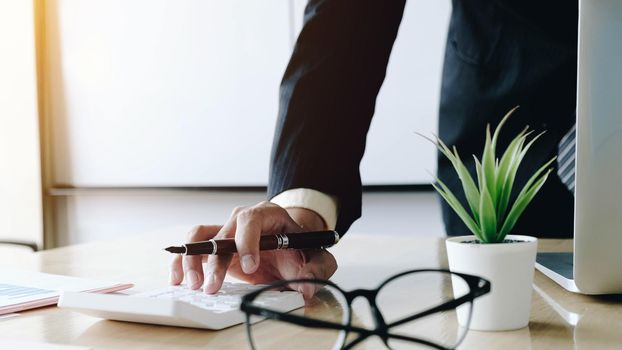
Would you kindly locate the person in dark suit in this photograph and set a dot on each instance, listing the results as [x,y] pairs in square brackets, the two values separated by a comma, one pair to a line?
[499,54]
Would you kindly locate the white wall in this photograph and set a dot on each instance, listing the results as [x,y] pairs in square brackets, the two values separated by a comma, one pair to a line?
[409,98]
[20,176]
[185,93]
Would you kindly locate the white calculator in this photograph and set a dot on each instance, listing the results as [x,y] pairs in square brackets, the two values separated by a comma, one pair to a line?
[179,305]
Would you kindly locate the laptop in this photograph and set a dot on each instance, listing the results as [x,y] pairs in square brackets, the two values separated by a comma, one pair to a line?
[595,265]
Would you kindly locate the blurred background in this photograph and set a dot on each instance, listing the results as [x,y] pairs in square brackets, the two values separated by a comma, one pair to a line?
[120,117]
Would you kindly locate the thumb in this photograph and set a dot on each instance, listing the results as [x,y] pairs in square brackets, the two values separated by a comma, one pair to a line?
[320,264]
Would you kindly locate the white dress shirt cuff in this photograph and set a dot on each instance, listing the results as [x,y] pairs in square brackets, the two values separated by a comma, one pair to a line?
[323,204]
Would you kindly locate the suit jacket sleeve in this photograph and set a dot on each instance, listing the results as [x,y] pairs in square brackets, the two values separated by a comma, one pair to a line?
[328,96]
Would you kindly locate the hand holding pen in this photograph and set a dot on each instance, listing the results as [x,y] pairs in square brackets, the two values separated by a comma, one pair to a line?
[254,264]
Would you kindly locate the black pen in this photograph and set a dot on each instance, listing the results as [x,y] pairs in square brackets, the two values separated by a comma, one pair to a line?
[302,240]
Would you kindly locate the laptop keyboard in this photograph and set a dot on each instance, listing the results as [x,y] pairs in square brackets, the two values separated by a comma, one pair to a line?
[562,263]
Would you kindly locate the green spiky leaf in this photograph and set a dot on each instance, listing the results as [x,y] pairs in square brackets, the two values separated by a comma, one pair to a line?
[487,216]
[507,172]
[454,203]
[468,184]
[522,200]
[488,165]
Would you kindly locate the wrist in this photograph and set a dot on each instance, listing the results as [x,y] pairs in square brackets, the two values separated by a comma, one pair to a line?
[308,219]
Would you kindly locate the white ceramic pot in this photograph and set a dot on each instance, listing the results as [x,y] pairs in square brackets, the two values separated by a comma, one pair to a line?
[509,267]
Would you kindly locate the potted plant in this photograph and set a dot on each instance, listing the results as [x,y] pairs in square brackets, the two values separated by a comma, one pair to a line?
[506,260]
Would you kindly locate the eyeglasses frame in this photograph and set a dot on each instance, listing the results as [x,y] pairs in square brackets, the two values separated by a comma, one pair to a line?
[478,286]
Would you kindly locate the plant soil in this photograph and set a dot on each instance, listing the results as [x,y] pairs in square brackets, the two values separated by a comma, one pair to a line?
[476,241]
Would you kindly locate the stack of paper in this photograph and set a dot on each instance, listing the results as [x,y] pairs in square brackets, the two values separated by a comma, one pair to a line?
[22,290]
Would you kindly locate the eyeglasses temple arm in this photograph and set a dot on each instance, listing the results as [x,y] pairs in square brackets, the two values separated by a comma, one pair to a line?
[452,304]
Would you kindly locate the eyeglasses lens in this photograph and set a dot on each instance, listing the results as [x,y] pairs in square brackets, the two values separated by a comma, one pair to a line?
[328,304]
[413,294]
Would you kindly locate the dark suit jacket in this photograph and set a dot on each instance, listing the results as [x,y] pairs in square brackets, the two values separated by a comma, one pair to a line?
[499,54]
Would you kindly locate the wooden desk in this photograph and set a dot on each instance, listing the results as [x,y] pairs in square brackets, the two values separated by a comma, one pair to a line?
[559,319]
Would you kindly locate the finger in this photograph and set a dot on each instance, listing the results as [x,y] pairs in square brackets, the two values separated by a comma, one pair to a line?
[217,265]
[193,266]
[264,218]
[176,274]
[216,270]
[320,264]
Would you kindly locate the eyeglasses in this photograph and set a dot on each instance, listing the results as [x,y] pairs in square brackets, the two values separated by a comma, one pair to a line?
[410,310]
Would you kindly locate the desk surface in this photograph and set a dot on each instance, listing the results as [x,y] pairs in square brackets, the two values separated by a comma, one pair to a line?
[559,319]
